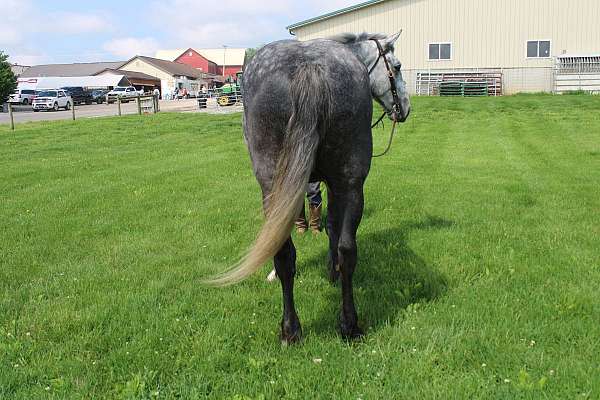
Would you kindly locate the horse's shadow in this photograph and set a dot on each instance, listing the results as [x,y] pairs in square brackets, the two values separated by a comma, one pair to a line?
[389,277]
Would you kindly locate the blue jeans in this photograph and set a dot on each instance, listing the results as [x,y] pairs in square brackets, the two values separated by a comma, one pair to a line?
[313,193]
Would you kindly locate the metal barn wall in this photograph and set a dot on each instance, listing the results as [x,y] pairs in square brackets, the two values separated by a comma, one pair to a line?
[483,33]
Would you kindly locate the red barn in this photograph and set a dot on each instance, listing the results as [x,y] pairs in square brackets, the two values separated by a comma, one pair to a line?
[196,60]
[211,61]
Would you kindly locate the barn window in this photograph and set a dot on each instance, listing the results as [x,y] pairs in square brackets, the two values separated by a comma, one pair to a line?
[440,51]
[538,49]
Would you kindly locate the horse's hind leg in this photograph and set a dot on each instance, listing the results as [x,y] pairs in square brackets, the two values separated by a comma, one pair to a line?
[334,220]
[347,205]
[285,265]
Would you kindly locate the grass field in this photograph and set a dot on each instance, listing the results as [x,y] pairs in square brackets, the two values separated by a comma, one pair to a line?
[478,276]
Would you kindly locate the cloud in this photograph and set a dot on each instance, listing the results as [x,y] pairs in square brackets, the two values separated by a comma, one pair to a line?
[79,23]
[130,46]
[14,12]
[240,23]
[29,58]
[28,40]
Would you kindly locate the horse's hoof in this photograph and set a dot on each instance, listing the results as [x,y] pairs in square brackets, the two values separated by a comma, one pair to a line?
[334,275]
[290,333]
[351,333]
[290,338]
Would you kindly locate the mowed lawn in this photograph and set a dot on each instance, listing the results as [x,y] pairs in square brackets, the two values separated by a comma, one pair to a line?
[478,275]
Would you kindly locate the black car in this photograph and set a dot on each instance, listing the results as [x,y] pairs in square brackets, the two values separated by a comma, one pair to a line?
[99,96]
[79,94]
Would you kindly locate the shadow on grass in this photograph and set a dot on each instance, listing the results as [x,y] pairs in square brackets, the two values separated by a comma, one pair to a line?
[389,277]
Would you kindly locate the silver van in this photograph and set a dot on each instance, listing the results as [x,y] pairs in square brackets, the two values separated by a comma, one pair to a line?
[22,96]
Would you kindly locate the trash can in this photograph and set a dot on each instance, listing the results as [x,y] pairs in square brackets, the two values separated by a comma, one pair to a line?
[202,101]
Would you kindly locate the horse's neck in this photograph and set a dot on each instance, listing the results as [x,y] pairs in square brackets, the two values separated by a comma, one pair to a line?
[364,52]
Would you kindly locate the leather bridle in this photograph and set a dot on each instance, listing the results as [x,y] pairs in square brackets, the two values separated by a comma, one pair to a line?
[397,106]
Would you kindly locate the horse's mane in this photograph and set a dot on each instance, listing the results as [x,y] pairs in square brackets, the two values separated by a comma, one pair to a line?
[350,38]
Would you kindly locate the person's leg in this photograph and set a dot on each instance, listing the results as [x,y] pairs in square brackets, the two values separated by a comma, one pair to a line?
[301,225]
[315,201]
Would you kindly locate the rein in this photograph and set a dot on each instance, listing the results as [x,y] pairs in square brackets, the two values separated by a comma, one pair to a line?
[396,106]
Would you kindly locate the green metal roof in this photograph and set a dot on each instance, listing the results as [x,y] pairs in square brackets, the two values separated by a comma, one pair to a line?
[332,14]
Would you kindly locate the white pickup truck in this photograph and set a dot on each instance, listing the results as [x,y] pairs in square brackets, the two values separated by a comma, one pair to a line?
[125,93]
[52,99]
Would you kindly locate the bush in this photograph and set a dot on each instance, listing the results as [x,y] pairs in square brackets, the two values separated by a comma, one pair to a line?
[8,81]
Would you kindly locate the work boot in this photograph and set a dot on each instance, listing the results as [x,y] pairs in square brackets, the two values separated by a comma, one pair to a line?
[301,225]
[315,218]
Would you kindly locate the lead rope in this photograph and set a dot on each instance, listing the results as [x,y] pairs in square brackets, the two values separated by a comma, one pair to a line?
[389,146]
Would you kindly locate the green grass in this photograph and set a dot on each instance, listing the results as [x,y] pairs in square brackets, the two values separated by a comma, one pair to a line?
[478,276]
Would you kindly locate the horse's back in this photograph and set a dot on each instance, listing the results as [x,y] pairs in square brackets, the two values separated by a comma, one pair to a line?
[268,76]
[268,103]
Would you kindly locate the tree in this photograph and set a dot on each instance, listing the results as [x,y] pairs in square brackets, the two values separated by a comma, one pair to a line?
[251,52]
[8,81]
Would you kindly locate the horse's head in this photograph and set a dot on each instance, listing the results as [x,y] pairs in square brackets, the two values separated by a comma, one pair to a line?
[387,86]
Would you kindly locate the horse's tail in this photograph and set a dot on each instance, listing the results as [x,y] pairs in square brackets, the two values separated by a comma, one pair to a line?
[311,99]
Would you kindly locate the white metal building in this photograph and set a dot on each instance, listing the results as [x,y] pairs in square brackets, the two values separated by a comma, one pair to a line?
[518,42]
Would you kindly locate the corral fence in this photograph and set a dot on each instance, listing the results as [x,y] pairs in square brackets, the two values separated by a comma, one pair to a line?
[577,73]
[479,81]
[567,75]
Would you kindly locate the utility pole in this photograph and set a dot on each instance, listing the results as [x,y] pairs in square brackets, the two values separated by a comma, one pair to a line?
[224,50]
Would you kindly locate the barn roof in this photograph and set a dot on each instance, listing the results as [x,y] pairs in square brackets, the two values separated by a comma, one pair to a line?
[233,56]
[169,55]
[332,14]
[76,69]
[53,82]
[169,67]
[128,74]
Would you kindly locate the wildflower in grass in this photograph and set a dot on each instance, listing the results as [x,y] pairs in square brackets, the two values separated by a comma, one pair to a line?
[317,360]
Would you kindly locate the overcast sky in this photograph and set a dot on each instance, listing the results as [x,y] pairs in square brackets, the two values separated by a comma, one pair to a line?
[42,31]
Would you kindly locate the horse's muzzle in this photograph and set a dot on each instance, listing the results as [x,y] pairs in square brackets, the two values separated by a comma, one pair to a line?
[399,115]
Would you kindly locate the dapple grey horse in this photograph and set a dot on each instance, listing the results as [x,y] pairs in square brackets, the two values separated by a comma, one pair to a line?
[307,114]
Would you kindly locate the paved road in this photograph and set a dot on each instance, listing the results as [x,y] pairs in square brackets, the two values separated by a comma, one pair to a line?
[26,114]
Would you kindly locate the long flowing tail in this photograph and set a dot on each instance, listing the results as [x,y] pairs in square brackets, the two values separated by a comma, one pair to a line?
[311,99]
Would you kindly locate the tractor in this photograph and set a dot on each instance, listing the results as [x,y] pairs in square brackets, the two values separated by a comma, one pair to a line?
[230,93]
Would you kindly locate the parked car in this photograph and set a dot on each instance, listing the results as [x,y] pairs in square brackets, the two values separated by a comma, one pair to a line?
[79,94]
[52,99]
[125,93]
[22,96]
[99,95]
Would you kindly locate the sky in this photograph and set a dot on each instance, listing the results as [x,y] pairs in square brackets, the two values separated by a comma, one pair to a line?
[41,31]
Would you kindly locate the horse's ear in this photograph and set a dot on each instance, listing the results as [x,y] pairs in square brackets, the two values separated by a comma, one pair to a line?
[391,40]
